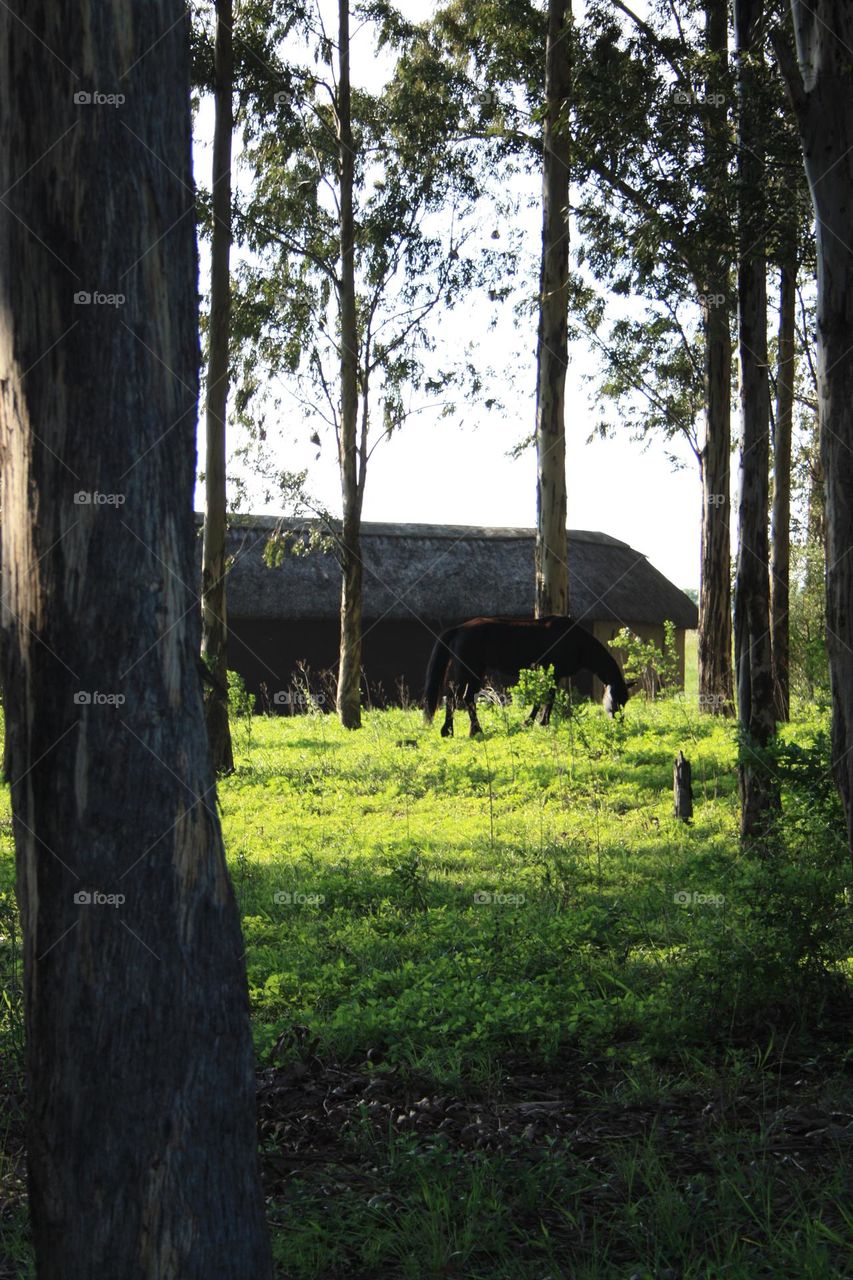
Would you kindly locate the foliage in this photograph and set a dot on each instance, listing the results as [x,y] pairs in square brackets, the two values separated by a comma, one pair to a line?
[241,707]
[535,686]
[809,670]
[412,164]
[655,667]
[475,927]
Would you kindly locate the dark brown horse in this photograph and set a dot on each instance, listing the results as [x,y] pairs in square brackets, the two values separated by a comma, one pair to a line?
[463,656]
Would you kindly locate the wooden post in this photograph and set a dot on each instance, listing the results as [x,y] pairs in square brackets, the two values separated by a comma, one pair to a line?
[682,789]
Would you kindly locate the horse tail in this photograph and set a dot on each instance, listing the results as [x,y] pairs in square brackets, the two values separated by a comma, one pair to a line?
[436,671]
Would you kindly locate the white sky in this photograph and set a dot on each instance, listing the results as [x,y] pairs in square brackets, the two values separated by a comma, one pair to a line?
[439,471]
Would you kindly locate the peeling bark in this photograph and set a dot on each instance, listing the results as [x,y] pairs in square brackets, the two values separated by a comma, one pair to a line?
[142,1140]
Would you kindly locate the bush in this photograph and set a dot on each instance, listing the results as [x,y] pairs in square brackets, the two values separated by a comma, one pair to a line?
[653,667]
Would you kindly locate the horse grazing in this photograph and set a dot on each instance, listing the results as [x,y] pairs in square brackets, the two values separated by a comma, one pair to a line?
[463,655]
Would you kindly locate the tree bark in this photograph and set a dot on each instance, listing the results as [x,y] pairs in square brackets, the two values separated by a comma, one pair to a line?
[753,662]
[552,575]
[142,1145]
[682,788]
[349,667]
[214,642]
[780,545]
[715,599]
[820,92]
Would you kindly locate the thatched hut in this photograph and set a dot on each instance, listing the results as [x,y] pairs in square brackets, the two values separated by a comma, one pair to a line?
[419,579]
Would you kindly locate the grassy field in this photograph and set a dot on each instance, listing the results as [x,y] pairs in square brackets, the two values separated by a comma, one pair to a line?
[514,1020]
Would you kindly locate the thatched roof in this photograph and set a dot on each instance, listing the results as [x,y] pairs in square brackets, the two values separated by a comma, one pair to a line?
[445,572]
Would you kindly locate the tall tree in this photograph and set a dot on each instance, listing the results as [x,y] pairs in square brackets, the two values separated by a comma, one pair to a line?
[818,80]
[214,632]
[714,279]
[142,1141]
[753,661]
[658,218]
[352,485]
[349,264]
[780,542]
[552,573]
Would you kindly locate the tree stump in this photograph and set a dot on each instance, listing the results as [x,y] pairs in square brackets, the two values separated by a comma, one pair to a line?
[682,788]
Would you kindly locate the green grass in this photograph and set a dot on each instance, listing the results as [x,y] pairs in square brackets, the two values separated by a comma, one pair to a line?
[521,916]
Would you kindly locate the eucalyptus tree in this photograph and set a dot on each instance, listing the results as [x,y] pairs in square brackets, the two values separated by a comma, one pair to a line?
[818,80]
[214,632]
[142,1150]
[236,60]
[359,228]
[657,218]
[552,351]
[759,794]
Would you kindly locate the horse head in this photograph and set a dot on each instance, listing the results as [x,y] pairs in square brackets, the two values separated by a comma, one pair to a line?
[616,695]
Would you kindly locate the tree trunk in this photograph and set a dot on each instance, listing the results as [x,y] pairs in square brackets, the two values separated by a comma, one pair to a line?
[552,574]
[820,92]
[142,1147]
[214,641]
[715,599]
[682,788]
[753,662]
[780,545]
[349,668]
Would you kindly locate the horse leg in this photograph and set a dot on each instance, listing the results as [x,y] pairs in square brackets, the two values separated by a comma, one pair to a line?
[449,704]
[531,719]
[549,705]
[469,696]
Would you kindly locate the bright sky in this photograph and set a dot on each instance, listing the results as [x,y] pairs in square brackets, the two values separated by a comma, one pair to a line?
[439,471]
